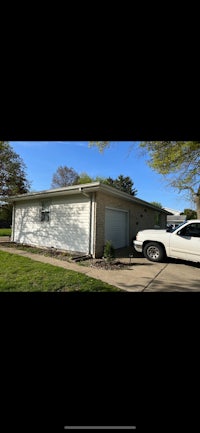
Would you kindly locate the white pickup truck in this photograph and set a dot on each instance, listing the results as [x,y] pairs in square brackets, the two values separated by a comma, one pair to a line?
[183,242]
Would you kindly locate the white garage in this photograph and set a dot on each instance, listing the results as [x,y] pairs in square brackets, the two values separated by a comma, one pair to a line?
[81,218]
[116,227]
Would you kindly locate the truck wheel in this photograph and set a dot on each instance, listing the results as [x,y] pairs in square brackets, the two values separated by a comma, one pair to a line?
[154,252]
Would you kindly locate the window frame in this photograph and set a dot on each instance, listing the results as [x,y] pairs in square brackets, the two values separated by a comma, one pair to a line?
[45,211]
[188,228]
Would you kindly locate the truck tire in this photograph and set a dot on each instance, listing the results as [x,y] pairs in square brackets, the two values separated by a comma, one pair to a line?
[154,252]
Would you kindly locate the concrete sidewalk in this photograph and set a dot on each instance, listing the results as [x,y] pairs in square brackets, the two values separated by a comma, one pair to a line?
[140,275]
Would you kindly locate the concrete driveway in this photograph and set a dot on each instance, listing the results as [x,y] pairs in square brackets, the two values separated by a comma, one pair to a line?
[176,276]
[172,275]
[140,274]
[145,276]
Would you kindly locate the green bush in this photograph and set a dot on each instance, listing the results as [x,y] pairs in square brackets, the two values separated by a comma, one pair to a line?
[109,252]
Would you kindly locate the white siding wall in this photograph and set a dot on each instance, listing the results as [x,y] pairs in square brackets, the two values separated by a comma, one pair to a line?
[68,228]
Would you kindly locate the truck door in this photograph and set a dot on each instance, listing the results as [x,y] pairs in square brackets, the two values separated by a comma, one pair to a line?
[185,243]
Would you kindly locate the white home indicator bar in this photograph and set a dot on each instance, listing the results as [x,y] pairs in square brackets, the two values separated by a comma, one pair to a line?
[67,427]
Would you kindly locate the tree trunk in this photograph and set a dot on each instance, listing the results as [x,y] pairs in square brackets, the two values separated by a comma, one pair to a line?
[198,207]
[197,201]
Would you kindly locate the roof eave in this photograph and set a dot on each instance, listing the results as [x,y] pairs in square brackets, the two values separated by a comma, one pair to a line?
[129,197]
[84,188]
[57,192]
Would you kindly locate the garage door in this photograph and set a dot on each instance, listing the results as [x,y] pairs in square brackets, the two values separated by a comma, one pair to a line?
[116,227]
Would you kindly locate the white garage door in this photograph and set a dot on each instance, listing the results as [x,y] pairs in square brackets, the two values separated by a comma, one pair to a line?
[116,227]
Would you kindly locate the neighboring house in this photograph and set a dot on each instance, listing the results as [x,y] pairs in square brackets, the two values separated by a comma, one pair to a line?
[175,218]
[81,218]
[172,211]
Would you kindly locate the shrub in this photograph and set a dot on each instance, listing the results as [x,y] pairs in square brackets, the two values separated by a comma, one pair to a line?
[109,252]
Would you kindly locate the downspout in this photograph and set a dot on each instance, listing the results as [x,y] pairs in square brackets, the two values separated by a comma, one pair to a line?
[90,252]
[90,228]
[13,223]
[92,225]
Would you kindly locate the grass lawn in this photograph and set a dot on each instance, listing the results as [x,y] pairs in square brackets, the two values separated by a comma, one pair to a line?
[25,275]
[5,232]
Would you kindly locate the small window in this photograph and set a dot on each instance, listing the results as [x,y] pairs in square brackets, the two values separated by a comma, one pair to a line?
[45,212]
[44,215]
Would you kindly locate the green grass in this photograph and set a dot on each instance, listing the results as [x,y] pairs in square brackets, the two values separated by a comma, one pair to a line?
[5,232]
[25,275]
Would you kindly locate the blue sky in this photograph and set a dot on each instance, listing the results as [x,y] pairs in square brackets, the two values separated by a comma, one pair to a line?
[42,159]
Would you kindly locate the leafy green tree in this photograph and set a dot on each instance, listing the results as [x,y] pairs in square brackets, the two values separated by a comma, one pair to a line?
[100,144]
[156,203]
[190,214]
[178,159]
[13,178]
[84,178]
[123,183]
[181,159]
[64,176]
[100,179]
[5,215]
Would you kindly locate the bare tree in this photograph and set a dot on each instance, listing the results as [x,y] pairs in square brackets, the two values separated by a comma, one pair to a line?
[64,176]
